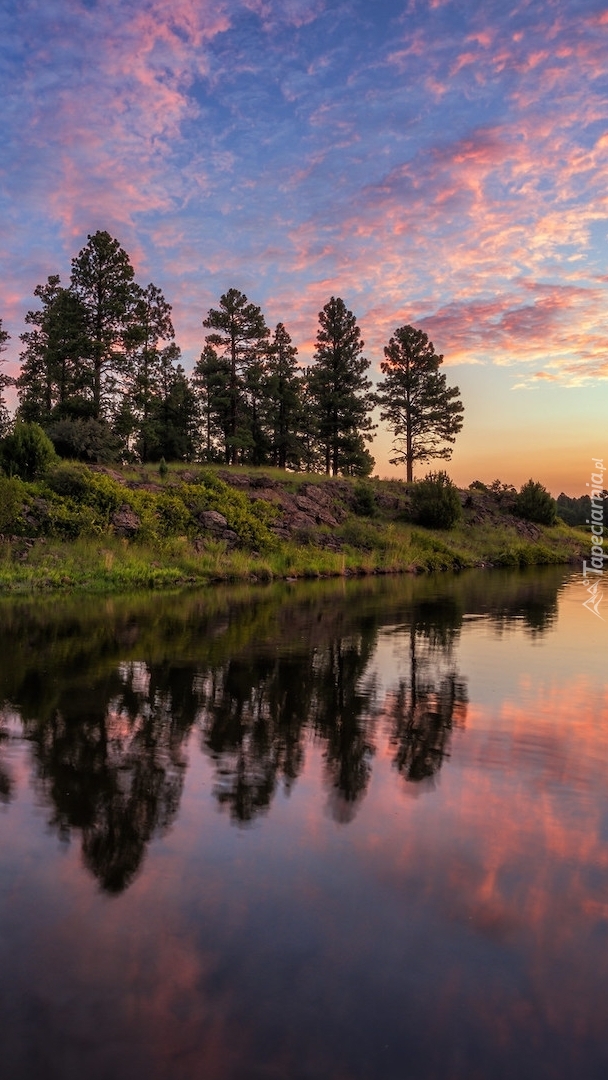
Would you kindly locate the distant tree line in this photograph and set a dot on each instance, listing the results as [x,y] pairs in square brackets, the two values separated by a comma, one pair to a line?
[101,374]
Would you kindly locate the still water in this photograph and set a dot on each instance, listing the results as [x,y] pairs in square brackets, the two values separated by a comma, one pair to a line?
[340,830]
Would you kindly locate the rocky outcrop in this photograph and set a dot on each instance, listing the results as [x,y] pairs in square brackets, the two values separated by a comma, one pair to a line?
[215,525]
[125,521]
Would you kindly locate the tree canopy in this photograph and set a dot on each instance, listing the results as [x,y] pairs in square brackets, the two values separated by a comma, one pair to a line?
[101,373]
[4,382]
[424,413]
[340,391]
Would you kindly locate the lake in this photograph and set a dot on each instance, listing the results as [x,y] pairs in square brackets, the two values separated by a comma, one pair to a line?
[347,829]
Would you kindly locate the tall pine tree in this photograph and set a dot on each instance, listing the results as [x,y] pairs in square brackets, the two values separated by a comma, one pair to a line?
[102,279]
[5,381]
[150,330]
[53,379]
[423,412]
[239,334]
[211,387]
[340,391]
[284,392]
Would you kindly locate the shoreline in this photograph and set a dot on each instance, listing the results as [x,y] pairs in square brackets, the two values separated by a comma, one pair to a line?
[96,530]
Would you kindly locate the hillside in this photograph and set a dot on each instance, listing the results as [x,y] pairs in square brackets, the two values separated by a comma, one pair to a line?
[101,529]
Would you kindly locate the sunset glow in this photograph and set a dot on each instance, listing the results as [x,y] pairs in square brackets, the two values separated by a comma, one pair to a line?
[432,164]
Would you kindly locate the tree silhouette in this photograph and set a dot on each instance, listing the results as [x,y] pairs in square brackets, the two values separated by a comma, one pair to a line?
[102,280]
[341,392]
[239,333]
[4,382]
[423,412]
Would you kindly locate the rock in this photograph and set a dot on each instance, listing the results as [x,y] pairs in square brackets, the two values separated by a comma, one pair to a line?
[125,521]
[212,520]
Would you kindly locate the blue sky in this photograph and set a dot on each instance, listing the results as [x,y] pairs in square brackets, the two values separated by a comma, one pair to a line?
[441,164]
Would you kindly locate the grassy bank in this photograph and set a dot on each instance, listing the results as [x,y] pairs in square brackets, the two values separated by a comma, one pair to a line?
[101,531]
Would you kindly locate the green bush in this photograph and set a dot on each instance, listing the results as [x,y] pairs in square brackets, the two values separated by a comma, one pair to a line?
[436,502]
[86,439]
[249,521]
[12,500]
[27,452]
[535,503]
[174,518]
[67,479]
[363,500]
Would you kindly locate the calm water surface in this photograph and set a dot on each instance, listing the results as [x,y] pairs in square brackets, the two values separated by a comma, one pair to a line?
[346,830]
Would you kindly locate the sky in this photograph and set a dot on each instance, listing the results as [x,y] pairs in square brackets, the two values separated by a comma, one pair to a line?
[435,163]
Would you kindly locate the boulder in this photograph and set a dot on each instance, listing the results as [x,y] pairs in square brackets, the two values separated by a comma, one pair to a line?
[213,521]
[125,521]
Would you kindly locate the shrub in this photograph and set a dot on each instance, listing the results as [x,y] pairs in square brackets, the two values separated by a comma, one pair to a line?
[436,502]
[68,480]
[363,500]
[12,500]
[534,503]
[86,439]
[27,451]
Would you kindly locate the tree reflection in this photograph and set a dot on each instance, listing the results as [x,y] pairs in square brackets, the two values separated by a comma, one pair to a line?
[342,717]
[431,700]
[259,673]
[6,779]
[111,762]
[253,711]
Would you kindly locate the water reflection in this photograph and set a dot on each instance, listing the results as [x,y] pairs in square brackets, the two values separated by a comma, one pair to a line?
[108,697]
[428,702]
[302,915]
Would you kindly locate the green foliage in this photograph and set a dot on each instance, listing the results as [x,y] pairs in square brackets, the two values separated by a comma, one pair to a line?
[12,500]
[67,479]
[238,337]
[162,469]
[534,503]
[364,535]
[363,500]
[249,521]
[27,452]
[575,511]
[340,392]
[84,438]
[173,516]
[102,280]
[436,502]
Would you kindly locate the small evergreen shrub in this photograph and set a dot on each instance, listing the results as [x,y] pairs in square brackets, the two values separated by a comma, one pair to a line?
[363,500]
[535,503]
[27,452]
[436,502]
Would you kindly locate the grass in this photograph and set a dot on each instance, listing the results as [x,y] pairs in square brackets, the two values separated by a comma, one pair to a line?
[74,547]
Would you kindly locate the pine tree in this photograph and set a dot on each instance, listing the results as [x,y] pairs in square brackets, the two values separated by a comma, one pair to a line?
[102,279]
[173,414]
[422,410]
[149,331]
[210,384]
[5,381]
[284,393]
[340,391]
[239,334]
[52,372]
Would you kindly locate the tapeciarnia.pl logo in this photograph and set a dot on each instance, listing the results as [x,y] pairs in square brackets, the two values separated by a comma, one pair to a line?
[594,569]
